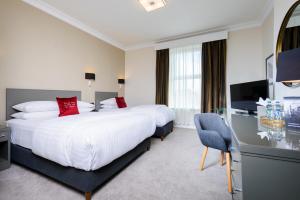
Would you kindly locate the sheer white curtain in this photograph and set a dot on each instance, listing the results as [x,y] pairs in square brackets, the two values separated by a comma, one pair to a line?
[185,84]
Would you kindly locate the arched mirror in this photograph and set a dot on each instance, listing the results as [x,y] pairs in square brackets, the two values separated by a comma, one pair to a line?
[289,35]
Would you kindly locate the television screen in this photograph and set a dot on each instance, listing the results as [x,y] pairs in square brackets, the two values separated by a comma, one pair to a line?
[245,95]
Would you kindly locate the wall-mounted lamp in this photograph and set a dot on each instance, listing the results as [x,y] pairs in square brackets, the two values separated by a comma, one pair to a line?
[121,82]
[91,77]
[288,69]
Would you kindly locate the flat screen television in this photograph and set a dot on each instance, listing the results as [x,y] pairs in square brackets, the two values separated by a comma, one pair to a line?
[245,95]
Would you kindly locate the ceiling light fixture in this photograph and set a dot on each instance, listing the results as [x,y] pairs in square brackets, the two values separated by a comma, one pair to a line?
[151,5]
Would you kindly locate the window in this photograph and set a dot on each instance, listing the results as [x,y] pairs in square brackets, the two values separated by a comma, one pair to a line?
[185,83]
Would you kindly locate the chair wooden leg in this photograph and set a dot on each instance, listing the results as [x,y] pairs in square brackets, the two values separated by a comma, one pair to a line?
[88,196]
[222,158]
[203,158]
[228,172]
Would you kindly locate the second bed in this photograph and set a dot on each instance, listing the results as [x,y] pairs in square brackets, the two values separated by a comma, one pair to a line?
[162,115]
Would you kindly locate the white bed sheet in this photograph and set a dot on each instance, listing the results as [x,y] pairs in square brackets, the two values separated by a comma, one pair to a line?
[22,131]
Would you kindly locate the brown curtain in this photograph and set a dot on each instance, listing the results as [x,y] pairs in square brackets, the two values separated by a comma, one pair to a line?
[162,76]
[213,76]
[291,38]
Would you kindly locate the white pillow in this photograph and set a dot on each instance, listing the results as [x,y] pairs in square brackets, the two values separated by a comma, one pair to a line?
[82,104]
[44,106]
[35,115]
[44,115]
[111,101]
[37,106]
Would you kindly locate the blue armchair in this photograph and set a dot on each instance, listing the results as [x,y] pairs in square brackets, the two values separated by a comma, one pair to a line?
[214,133]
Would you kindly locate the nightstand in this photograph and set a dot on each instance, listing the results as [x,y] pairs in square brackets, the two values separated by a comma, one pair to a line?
[4,147]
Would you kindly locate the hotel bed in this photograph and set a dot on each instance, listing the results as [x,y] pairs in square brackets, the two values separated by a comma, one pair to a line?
[82,151]
[162,115]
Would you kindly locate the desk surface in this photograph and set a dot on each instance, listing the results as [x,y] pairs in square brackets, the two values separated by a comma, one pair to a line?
[247,133]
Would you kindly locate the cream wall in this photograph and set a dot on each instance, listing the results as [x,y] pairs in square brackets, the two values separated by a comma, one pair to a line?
[245,61]
[268,35]
[38,51]
[140,76]
[280,9]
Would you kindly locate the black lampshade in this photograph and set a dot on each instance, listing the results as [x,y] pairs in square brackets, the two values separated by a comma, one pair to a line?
[121,81]
[288,67]
[90,76]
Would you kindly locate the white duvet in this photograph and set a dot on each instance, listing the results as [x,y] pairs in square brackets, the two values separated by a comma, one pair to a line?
[92,140]
[161,114]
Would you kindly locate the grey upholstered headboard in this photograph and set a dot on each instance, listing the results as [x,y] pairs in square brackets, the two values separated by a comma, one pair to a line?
[16,96]
[100,96]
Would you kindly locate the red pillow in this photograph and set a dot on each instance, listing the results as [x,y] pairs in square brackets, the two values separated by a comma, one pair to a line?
[121,102]
[67,106]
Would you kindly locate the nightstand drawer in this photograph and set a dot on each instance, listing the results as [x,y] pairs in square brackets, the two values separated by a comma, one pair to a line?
[236,195]
[4,148]
[236,180]
[236,165]
[3,136]
[235,154]
[234,151]
[236,171]
[4,164]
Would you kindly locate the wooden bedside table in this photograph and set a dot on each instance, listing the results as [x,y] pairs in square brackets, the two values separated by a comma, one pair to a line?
[4,147]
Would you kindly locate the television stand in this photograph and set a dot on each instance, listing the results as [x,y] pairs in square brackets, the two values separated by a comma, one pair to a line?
[251,113]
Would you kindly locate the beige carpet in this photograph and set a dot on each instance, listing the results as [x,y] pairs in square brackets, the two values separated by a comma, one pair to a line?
[169,171]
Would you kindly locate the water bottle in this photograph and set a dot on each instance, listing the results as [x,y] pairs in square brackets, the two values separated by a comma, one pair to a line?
[277,126]
[269,108]
[278,111]
[282,111]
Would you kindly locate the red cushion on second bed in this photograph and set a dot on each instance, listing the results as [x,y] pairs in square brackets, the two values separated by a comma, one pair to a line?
[67,106]
[121,102]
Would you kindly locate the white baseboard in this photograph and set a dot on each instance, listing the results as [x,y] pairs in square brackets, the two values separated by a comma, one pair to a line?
[187,127]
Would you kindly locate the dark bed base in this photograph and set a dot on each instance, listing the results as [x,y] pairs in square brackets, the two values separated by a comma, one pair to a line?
[162,132]
[83,181]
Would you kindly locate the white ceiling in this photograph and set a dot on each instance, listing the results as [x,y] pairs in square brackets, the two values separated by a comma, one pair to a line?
[125,23]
